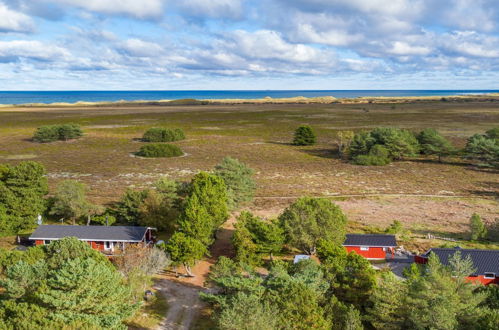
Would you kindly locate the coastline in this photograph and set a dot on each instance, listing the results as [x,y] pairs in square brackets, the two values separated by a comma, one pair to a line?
[265,100]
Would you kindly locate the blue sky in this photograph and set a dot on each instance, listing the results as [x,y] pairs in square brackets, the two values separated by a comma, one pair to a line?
[248,44]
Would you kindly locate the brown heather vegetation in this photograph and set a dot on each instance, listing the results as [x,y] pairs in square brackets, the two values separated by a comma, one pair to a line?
[424,195]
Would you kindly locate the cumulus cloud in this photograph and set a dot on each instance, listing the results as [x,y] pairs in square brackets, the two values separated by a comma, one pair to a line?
[14,21]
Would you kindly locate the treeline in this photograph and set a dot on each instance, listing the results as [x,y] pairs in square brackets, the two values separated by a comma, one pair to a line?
[383,145]
[68,285]
[345,292]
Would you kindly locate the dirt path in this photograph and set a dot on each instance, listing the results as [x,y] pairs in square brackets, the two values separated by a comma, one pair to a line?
[184,304]
[182,293]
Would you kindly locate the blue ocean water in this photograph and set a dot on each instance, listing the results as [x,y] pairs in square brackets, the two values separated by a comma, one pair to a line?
[23,97]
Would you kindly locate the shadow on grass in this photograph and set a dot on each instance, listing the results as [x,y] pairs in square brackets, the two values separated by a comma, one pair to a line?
[444,161]
[322,152]
[491,189]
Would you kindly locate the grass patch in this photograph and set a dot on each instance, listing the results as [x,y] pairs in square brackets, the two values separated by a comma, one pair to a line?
[204,321]
[150,314]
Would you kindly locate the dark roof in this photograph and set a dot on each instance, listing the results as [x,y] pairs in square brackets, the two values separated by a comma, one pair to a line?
[90,233]
[370,240]
[484,261]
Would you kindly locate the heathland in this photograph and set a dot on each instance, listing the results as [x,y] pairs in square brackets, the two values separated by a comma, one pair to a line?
[424,195]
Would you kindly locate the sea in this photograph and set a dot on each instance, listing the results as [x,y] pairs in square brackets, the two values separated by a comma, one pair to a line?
[47,97]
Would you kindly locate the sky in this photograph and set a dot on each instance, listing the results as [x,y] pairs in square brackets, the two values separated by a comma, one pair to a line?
[248,44]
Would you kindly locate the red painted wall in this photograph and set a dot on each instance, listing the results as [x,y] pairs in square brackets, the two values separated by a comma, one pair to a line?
[372,253]
[38,242]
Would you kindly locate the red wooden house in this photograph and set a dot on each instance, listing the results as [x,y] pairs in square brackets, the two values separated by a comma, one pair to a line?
[486,262]
[107,239]
[371,246]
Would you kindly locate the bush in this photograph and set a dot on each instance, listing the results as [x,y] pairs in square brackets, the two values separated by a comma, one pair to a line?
[161,134]
[304,136]
[50,133]
[160,150]
[378,156]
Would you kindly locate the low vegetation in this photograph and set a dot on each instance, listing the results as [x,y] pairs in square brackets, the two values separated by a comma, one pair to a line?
[160,150]
[161,134]
[51,133]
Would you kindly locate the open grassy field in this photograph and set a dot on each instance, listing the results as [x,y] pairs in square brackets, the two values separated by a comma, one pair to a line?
[422,193]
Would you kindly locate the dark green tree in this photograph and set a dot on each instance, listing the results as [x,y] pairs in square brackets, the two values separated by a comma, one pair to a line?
[246,249]
[304,136]
[127,210]
[432,143]
[238,179]
[309,220]
[22,191]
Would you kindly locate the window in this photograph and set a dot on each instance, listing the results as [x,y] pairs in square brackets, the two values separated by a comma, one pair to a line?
[47,241]
[108,245]
[489,275]
[364,248]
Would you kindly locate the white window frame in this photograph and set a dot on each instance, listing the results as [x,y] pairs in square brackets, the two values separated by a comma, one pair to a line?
[108,246]
[489,275]
[364,248]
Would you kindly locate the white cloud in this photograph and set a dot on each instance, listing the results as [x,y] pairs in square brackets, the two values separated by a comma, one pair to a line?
[140,48]
[13,21]
[134,8]
[31,49]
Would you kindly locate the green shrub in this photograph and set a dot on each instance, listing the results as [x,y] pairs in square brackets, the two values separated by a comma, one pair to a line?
[161,134]
[64,132]
[304,136]
[160,150]
[378,156]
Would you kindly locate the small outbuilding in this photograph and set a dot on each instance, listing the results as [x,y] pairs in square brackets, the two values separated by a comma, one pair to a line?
[300,257]
[371,246]
[485,262]
[102,238]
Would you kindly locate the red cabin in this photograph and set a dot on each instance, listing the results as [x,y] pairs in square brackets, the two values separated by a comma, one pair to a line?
[371,246]
[106,239]
[486,262]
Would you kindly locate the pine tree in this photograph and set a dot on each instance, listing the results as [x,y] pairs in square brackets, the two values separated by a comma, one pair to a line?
[185,250]
[238,178]
[304,136]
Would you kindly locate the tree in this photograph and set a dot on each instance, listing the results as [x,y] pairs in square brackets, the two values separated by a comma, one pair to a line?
[432,143]
[105,219]
[304,136]
[185,250]
[238,179]
[128,208]
[70,200]
[484,148]
[387,310]
[477,228]
[158,211]
[196,221]
[64,132]
[246,312]
[268,236]
[246,249]
[351,276]
[343,140]
[212,194]
[309,220]
[72,285]
[353,319]
[22,191]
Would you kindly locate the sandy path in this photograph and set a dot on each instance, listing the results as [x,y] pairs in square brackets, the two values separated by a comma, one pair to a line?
[182,293]
[184,304]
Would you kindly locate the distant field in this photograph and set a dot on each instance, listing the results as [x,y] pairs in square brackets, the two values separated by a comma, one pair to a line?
[259,134]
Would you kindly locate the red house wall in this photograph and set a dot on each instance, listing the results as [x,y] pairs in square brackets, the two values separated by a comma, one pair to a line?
[38,242]
[372,253]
